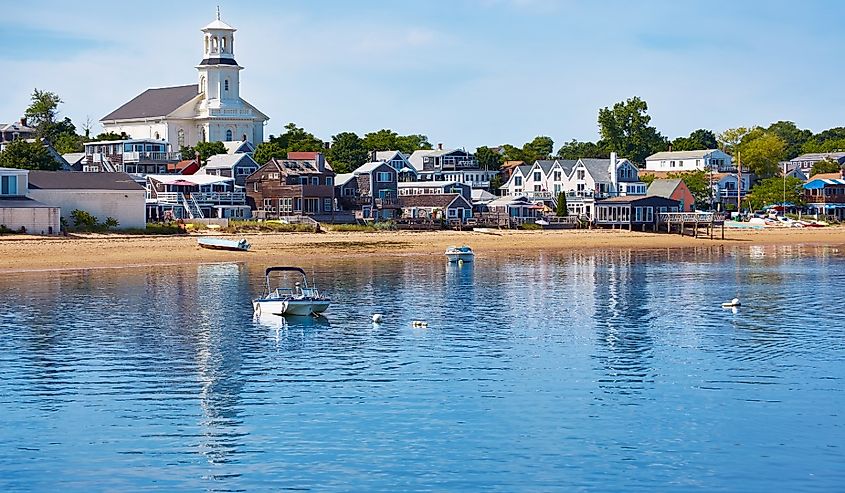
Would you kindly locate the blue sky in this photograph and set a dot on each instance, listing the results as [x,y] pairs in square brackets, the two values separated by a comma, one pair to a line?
[463,72]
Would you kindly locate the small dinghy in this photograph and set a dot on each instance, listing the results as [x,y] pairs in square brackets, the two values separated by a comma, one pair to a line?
[460,254]
[221,244]
[734,303]
[299,300]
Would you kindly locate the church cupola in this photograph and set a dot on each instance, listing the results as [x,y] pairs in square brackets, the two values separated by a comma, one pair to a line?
[218,70]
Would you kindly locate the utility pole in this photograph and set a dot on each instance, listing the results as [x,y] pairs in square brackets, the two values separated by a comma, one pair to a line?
[739,183]
[783,204]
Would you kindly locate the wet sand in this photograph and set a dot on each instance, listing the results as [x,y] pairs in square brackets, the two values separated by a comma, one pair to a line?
[29,253]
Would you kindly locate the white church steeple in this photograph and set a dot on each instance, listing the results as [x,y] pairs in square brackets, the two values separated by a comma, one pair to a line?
[218,70]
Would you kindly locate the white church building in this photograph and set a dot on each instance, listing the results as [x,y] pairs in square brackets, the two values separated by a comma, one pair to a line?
[211,110]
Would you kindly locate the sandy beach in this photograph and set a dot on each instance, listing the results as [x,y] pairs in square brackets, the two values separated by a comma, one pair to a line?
[28,253]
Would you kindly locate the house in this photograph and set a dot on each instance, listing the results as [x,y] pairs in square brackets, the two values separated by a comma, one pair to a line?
[633,212]
[516,210]
[15,131]
[516,182]
[239,147]
[704,159]
[184,167]
[21,213]
[211,110]
[434,188]
[806,161]
[450,206]
[194,197]
[450,165]
[302,184]
[370,191]
[546,179]
[726,187]
[594,179]
[824,194]
[674,189]
[103,195]
[136,156]
[74,160]
[237,166]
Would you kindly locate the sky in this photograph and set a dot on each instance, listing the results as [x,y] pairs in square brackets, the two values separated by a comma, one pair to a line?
[465,73]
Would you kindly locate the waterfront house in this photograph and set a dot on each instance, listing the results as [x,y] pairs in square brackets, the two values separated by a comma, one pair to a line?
[805,162]
[450,165]
[136,156]
[675,189]
[184,167]
[237,166]
[434,188]
[370,191]
[513,210]
[728,186]
[594,179]
[21,213]
[449,206]
[633,212]
[398,161]
[516,182]
[15,131]
[824,194]
[103,195]
[704,159]
[194,197]
[302,184]
[211,110]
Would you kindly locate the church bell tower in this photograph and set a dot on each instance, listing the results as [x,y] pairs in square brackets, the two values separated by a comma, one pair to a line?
[218,70]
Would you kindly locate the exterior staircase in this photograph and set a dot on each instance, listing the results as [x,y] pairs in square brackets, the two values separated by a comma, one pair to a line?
[194,211]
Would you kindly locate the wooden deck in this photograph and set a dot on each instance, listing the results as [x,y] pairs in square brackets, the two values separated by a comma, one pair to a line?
[692,222]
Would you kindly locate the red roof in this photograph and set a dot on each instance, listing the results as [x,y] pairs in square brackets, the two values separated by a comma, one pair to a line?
[305,155]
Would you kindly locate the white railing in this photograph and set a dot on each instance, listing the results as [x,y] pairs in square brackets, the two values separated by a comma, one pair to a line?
[220,197]
[137,156]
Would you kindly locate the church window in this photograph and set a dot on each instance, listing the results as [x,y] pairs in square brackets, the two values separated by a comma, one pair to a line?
[223,44]
[180,135]
[226,85]
[229,135]
[202,85]
[157,136]
[206,43]
[214,44]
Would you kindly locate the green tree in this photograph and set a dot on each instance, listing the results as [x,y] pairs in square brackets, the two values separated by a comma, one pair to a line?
[830,140]
[731,138]
[266,151]
[410,143]
[575,150]
[496,183]
[27,155]
[388,140]
[792,136]
[68,142]
[297,139]
[347,152]
[208,149]
[488,158]
[541,147]
[42,110]
[699,139]
[826,165]
[111,136]
[562,209]
[762,152]
[771,191]
[624,128]
[513,153]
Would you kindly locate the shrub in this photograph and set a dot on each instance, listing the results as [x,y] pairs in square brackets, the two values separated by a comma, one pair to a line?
[266,226]
[86,222]
[530,226]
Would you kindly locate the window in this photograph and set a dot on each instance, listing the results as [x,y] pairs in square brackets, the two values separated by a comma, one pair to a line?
[538,176]
[255,186]
[226,85]
[157,136]
[274,176]
[383,177]
[315,180]
[453,213]
[638,214]
[327,204]
[581,174]
[557,176]
[297,204]
[672,164]
[312,206]
[537,188]
[285,205]
[228,135]
[268,204]
[329,181]
[517,181]
[649,214]
[557,188]
[8,185]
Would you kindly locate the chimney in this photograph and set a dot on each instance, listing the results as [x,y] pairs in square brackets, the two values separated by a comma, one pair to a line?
[670,147]
[842,173]
[440,146]
[373,156]
[23,121]
[326,145]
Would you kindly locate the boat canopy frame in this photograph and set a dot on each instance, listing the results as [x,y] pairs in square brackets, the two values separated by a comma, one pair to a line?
[270,270]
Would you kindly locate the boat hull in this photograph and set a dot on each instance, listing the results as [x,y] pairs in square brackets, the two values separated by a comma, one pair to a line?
[290,307]
[463,257]
[219,244]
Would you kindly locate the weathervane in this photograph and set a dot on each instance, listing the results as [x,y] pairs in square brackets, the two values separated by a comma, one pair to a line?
[218,12]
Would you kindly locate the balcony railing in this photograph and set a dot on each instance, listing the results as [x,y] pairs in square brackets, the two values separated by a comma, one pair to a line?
[138,156]
[731,194]
[231,198]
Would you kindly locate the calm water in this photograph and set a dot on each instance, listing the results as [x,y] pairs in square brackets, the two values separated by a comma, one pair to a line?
[607,371]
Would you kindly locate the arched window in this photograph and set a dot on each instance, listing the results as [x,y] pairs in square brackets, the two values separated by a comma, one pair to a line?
[180,136]
[202,85]
[206,43]
[202,134]
[157,137]
[226,85]
[223,44]
[214,44]
[229,135]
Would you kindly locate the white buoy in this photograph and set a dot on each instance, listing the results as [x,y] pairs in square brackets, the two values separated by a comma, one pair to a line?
[732,304]
[377,318]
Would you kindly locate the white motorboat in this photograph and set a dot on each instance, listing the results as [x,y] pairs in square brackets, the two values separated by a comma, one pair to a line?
[298,300]
[460,254]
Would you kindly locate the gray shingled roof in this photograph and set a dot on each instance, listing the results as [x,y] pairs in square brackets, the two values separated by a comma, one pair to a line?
[567,164]
[76,180]
[663,188]
[545,165]
[599,169]
[154,103]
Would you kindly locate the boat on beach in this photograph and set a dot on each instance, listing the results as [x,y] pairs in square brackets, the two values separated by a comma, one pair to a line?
[460,254]
[300,299]
[221,244]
